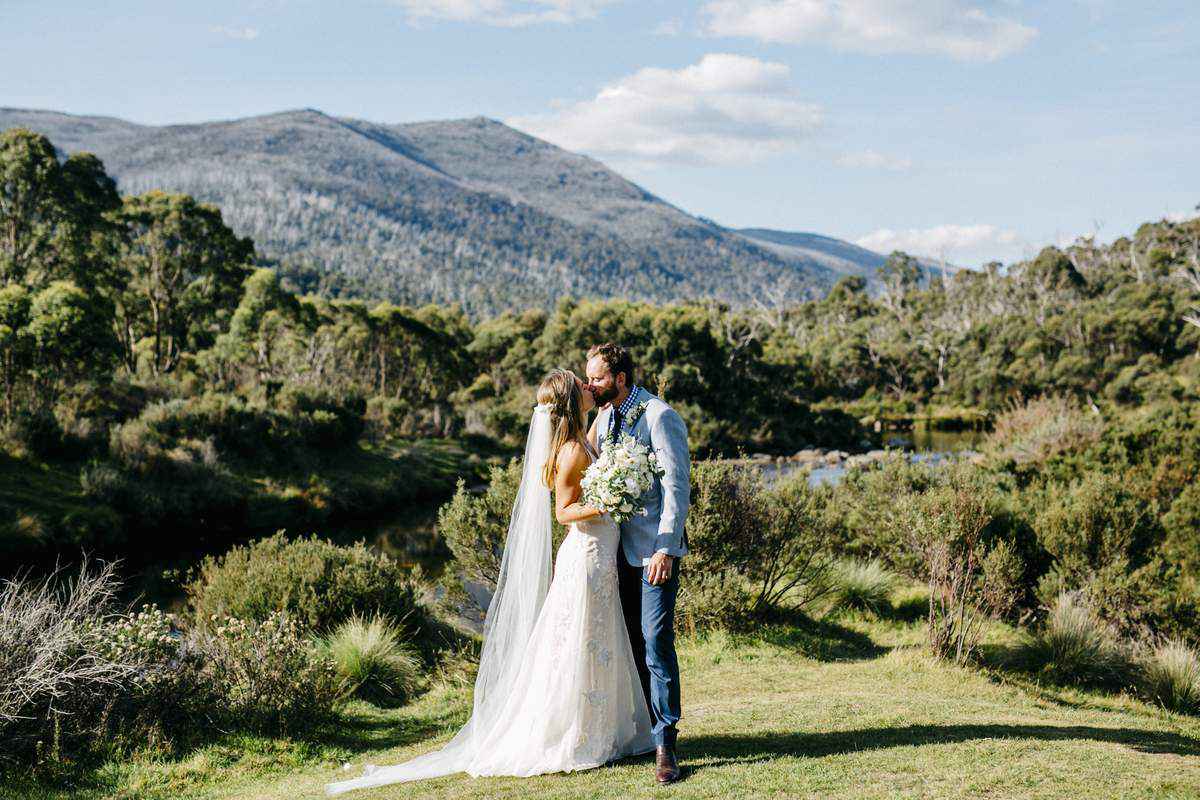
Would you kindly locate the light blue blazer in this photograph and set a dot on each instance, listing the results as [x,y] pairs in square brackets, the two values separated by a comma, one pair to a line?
[668,499]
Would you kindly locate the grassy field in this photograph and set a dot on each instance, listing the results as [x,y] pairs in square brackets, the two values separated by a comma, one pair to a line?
[851,708]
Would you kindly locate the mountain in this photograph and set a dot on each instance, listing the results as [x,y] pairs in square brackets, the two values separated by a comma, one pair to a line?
[841,257]
[468,211]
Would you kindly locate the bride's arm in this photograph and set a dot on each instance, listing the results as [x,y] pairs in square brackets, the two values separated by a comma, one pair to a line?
[572,461]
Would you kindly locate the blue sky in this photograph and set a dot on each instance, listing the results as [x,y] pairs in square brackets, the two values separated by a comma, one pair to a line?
[965,129]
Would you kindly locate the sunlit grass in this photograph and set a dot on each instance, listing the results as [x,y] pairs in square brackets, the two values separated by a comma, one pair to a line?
[847,707]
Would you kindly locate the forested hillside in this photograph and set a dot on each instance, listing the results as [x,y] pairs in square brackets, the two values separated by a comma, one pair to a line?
[464,211]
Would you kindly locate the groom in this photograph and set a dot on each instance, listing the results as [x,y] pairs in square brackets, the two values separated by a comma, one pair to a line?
[651,544]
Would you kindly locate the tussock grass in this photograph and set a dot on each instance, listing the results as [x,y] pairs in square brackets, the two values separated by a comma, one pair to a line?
[375,662]
[1075,647]
[1171,676]
[865,585]
[49,655]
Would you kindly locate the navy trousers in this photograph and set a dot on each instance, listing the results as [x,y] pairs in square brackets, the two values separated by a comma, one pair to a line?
[650,617]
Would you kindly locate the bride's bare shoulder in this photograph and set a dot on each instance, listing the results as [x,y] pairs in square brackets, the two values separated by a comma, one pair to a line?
[571,462]
[571,452]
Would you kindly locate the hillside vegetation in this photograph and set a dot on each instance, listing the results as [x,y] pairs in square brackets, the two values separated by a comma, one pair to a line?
[462,211]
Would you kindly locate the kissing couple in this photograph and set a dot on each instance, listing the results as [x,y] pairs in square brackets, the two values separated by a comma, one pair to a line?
[578,670]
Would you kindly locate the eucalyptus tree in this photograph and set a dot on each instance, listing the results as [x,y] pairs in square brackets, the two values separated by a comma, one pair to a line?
[16,348]
[185,270]
[55,217]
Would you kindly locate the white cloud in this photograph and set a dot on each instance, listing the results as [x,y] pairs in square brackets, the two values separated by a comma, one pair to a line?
[245,34]
[871,159]
[726,109]
[503,13]
[961,29]
[953,242]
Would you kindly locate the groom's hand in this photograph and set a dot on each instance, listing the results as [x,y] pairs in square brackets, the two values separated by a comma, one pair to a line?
[659,569]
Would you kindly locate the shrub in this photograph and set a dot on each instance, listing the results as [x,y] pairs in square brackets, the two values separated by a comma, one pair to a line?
[33,433]
[865,585]
[752,548]
[58,674]
[323,419]
[970,578]
[791,560]
[150,488]
[1039,429]
[267,675]
[1099,535]
[474,527]
[867,499]
[1171,676]
[373,660]
[319,584]
[165,695]
[1074,646]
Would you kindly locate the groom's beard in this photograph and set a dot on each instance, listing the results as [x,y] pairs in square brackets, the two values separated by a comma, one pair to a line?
[604,398]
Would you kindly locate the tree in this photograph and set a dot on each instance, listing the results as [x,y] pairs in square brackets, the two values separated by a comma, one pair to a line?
[29,201]
[185,272]
[263,317]
[900,274]
[15,344]
[55,218]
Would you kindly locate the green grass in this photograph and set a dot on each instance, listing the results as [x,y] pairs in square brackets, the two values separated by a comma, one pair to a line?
[849,707]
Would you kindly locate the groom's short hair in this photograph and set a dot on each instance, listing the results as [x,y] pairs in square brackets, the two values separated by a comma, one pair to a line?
[617,359]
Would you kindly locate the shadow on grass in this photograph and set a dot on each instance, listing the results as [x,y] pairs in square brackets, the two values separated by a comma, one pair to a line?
[360,732]
[820,639]
[909,609]
[720,750]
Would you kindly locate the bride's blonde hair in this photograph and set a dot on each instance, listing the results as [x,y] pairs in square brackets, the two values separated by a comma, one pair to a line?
[561,394]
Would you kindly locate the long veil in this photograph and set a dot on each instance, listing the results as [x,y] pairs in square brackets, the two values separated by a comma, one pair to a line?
[520,591]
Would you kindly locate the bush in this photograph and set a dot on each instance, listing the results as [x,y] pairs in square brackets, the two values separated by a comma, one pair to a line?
[58,674]
[474,528]
[971,576]
[1037,430]
[1074,646]
[726,508]
[865,585]
[166,695]
[150,488]
[373,661]
[33,433]
[1100,536]
[1171,677]
[867,499]
[300,419]
[752,548]
[267,675]
[319,584]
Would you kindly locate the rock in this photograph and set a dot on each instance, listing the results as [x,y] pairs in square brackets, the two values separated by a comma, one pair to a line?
[809,455]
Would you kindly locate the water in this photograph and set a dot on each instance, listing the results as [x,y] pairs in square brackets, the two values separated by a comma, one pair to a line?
[409,536]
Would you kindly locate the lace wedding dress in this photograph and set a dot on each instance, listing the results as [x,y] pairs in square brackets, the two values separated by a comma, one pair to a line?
[558,689]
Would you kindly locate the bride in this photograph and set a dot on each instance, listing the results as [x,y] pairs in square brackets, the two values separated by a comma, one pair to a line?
[557,689]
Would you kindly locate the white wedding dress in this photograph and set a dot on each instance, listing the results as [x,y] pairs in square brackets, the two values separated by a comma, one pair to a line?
[558,689]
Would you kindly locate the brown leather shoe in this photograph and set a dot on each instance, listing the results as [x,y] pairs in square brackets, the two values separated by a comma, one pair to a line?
[666,768]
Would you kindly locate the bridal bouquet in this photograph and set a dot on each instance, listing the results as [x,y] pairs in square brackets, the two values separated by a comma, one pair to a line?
[616,481]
